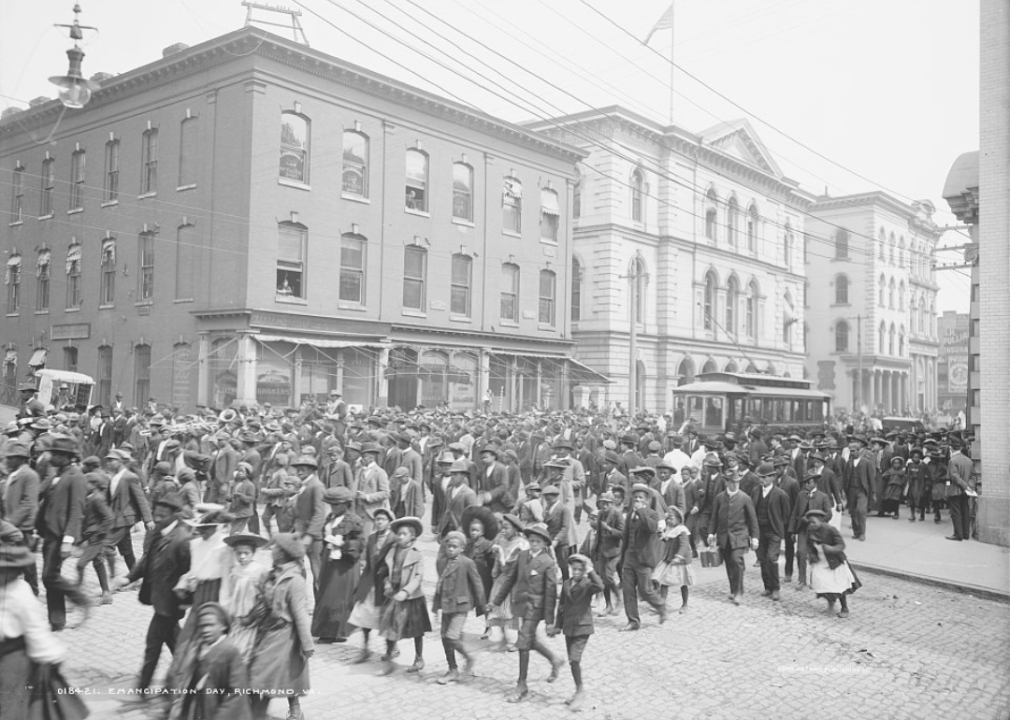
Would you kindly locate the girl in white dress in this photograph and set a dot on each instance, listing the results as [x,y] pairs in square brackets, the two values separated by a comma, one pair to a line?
[239,587]
[831,576]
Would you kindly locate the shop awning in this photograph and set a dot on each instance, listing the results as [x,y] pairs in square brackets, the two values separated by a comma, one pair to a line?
[38,358]
[513,189]
[73,256]
[579,372]
[549,203]
[327,343]
[42,264]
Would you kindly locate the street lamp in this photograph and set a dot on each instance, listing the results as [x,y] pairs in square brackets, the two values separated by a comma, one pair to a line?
[75,90]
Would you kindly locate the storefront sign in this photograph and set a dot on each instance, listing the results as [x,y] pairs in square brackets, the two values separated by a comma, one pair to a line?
[70,331]
[312,323]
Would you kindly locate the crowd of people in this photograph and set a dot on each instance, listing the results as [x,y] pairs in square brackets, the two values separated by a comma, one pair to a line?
[535,516]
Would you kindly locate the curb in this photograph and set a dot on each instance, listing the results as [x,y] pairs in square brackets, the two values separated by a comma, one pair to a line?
[974,590]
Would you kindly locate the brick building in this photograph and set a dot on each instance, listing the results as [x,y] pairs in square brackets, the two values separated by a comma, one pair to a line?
[253,220]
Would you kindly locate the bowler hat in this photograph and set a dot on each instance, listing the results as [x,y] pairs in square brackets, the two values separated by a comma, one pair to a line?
[563,444]
[64,444]
[540,530]
[305,461]
[459,466]
[644,470]
[411,522]
[765,469]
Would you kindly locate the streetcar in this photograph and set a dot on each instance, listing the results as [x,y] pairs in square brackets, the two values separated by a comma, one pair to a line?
[726,401]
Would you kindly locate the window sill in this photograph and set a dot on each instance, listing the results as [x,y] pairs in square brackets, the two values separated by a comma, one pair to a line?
[191,186]
[75,211]
[107,307]
[459,319]
[508,323]
[542,326]
[177,301]
[17,222]
[839,305]
[144,196]
[41,312]
[13,314]
[293,184]
[45,217]
[72,310]
[463,222]
[110,203]
[290,300]
[353,307]
[548,241]
[144,303]
[356,198]
[409,312]
[419,213]
[511,233]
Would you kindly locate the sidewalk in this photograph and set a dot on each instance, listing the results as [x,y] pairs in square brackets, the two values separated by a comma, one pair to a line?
[919,551]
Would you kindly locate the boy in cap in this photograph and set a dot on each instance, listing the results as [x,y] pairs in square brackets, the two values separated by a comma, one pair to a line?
[575,618]
[558,519]
[608,526]
[459,590]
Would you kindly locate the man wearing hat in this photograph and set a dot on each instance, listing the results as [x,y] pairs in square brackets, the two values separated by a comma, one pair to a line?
[558,519]
[128,504]
[710,484]
[458,497]
[667,486]
[859,484]
[166,559]
[605,548]
[630,459]
[310,512]
[676,457]
[791,486]
[493,475]
[960,483]
[373,486]
[28,404]
[21,500]
[640,553]
[733,530]
[59,522]
[575,618]
[772,508]
[612,476]
[810,498]
[409,457]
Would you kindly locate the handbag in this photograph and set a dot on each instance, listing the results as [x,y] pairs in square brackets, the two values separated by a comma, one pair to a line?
[51,697]
[710,557]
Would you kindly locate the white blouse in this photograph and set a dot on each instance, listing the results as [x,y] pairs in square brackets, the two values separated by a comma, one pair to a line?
[21,615]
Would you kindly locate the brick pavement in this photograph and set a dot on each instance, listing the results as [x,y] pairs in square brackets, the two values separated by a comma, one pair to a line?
[907,651]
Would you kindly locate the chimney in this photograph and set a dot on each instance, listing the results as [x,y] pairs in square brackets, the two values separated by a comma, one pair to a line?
[40,100]
[173,49]
[101,77]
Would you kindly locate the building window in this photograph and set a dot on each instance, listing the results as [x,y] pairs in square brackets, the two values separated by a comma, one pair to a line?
[355,175]
[43,267]
[890,294]
[576,290]
[141,374]
[294,161]
[77,162]
[111,189]
[462,191]
[901,252]
[752,227]
[510,292]
[891,245]
[890,340]
[415,273]
[752,301]
[48,185]
[13,284]
[882,338]
[74,275]
[709,307]
[512,206]
[577,198]
[901,295]
[352,268]
[459,302]
[637,184]
[104,375]
[841,290]
[842,244]
[70,359]
[841,336]
[711,214]
[146,278]
[881,291]
[732,220]
[149,162]
[548,286]
[549,215]
[185,262]
[189,154]
[107,292]
[732,300]
[787,247]
[882,243]
[18,195]
[417,180]
[901,341]
[291,241]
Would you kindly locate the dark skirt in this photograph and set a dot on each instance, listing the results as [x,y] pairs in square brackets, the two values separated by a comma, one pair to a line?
[407,619]
[337,582]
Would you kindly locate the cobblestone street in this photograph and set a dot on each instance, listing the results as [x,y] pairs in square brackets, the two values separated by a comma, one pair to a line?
[907,651]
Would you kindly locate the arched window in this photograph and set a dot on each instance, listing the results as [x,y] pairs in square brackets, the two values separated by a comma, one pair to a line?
[891,289]
[294,163]
[732,210]
[901,341]
[149,161]
[709,367]
[548,289]
[639,276]
[355,172]
[901,252]
[462,192]
[891,244]
[685,371]
[752,227]
[882,291]
[510,292]
[637,184]
[145,278]
[901,295]
[732,303]
[882,243]
[512,206]
[416,191]
[352,268]
[709,307]
[711,214]
[841,336]
[18,195]
[107,291]
[882,338]
[841,290]
[576,290]
[841,244]
[549,215]
[890,340]
[787,246]
[731,367]
[752,302]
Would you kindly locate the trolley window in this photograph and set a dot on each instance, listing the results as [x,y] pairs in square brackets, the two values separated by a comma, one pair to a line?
[694,406]
[714,412]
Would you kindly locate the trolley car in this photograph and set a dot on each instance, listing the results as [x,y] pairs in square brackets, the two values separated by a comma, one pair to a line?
[720,402]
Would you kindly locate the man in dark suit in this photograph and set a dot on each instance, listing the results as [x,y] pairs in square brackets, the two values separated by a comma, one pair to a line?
[533,584]
[772,508]
[128,504]
[575,618]
[493,474]
[605,551]
[310,512]
[712,483]
[669,488]
[21,500]
[811,498]
[791,485]
[733,530]
[59,522]
[458,497]
[558,518]
[165,560]
[828,482]
[640,555]
[859,484]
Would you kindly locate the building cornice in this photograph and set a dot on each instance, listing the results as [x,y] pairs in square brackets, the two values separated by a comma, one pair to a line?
[880,200]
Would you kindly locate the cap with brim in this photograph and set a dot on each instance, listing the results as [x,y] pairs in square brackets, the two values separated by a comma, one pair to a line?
[533,486]
[878,440]
[513,521]
[666,466]
[556,464]
[612,457]
[641,488]
[290,544]
[305,461]
[16,449]
[339,495]
[605,497]
[256,541]
[383,511]
[644,470]
[171,500]
[551,490]
[27,387]
[815,456]
[712,460]
[580,558]
[411,522]
[454,535]
[459,467]
[490,449]
[117,455]
[371,448]
[816,513]
[540,530]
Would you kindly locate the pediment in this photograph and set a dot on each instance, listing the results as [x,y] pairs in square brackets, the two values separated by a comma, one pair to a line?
[738,140]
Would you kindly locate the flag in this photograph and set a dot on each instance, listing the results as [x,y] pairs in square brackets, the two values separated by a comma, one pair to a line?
[665,23]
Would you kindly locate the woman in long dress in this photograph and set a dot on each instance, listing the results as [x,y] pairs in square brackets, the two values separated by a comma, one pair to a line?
[509,543]
[279,666]
[369,597]
[894,487]
[831,576]
[338,575]
[239,588]
[406,613]
[674,569]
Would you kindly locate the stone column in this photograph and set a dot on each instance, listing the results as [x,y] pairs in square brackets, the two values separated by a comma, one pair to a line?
[381,392]
[245,360]
[204,392]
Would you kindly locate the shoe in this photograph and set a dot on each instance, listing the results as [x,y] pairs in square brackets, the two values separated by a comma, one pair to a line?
[106,598]
[325,641]
[766,593]
[775,595]
[364,657]
[911,519]
[831,606]
[609,610]
[789,578]
[418,665]
[386,657]
[511,647]
[576,701]
[517,695]
[295,715]
[486,635]
[452,676]
[630,627]
[861,538]
[683,610]
[737,599]
[555,671]
[613,611]
[801,586]
[843,614]
[954,537]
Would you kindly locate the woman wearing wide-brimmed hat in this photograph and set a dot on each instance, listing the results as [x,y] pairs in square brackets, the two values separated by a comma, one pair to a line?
[239,587]
[405,614]
[338,574]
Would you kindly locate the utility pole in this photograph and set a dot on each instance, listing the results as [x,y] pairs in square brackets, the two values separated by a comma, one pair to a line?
[859,363]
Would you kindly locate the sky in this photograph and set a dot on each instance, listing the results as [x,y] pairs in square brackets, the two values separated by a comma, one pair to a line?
[849,96]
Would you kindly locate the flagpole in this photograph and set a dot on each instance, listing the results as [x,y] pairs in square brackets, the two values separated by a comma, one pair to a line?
[673,31]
